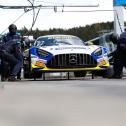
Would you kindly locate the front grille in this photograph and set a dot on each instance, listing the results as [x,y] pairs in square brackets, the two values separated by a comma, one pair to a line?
[72,61]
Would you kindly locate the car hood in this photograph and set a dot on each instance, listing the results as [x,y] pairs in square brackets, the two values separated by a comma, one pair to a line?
[62,49]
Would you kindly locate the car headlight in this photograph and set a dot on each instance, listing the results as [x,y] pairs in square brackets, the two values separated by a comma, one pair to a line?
[98,52]
[41,52]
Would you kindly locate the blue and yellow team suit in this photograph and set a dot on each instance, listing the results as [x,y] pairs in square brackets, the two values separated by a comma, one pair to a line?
[11,51]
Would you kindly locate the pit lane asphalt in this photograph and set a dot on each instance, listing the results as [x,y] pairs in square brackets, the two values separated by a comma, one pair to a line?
[62,102]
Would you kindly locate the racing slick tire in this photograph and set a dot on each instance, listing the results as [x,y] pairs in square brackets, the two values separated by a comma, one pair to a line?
[104,73]
[80,73]
[27,66]
[36,75]
[108,73]
[26,74]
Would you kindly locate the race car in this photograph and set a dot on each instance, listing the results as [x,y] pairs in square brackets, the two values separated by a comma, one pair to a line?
[65,53]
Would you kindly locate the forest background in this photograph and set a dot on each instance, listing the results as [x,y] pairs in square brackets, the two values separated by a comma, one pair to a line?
[85,33]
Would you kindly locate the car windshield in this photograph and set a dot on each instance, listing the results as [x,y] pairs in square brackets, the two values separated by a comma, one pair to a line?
[58,40]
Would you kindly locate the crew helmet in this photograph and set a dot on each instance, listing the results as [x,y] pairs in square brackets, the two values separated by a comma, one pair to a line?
[12,26]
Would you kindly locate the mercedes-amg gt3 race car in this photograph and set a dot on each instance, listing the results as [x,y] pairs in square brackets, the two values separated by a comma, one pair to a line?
[64,53]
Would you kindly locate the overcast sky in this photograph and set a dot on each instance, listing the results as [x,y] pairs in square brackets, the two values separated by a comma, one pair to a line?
[47,18]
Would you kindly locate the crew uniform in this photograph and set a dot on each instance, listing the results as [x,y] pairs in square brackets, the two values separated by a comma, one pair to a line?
[11,51]
[119,56]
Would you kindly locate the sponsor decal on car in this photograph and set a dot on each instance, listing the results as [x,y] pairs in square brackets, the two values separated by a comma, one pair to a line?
[102,62]
[39,64]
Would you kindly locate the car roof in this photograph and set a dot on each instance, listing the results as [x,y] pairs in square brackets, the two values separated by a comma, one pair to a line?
[56,35]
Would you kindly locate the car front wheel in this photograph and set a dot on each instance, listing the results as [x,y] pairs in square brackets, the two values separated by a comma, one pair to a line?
[80,73]
[108,72]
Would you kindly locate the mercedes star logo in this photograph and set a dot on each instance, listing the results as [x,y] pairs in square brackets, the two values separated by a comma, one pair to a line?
[73,59]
